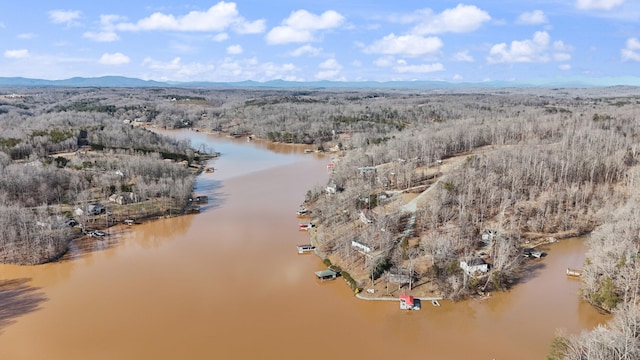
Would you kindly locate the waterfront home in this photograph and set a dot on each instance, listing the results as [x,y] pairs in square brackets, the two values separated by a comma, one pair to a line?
[332,187]
[91,209]
[474,266]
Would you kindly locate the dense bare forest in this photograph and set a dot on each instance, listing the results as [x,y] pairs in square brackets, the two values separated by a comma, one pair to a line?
[63,155]
[422,180]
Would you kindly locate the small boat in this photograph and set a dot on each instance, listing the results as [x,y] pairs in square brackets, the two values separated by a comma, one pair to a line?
[306,226]
[435,302]
[302,211]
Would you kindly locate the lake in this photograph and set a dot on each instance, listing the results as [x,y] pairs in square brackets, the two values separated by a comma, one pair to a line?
[228,283]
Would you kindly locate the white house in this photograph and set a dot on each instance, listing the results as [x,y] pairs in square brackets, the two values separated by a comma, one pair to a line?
[474,266]
[366,217]
[91,209]
[332,187]
[361,247]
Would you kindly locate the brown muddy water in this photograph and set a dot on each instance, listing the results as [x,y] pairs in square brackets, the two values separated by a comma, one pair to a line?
[228,284]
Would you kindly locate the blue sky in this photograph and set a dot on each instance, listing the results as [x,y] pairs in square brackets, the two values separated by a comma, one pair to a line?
[346,40]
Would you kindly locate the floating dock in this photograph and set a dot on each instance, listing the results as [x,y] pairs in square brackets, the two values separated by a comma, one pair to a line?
[574,272]
[325,275]
[307,248]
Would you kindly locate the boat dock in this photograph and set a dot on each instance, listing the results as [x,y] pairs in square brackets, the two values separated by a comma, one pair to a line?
[408,302]
[307,248]
[325,275]
[435,301]
[574,272]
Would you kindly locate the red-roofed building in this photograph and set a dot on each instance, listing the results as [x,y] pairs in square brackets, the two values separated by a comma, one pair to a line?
[408,302]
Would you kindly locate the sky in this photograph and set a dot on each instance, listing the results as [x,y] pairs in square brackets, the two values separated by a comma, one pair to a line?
[339,40]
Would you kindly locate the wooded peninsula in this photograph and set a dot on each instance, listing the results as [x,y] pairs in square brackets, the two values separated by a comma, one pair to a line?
[457,189]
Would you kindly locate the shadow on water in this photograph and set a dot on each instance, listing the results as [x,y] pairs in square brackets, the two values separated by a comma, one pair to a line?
[531,271]
[84,245]
[18,299]
[213,190]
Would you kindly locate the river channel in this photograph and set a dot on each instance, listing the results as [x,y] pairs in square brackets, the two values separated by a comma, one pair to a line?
[228,283]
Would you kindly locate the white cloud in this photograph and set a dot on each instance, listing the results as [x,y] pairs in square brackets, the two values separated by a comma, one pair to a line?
[330,64]
[159,65]
[403,67]
[234,49]
[287,34]
[463,56]
[405,45]
[220,37]
[227,69]
[102,36]
[330,70]
[306,50]
[219,17]
[461,19]
[114,59]
[176,70]
[302,25]
[559,45]
[564,67]
[598,4]
[631,50]
[561,57]
[532,18]
[457,77]
[27,36]
[16,54]
[533,50]
[254,27]
[67,17]
[303,19]
[384,61]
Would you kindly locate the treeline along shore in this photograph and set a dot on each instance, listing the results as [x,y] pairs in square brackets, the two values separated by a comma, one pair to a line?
[454,189]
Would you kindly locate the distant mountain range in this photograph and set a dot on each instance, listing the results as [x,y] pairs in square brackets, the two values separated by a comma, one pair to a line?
[121,81]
